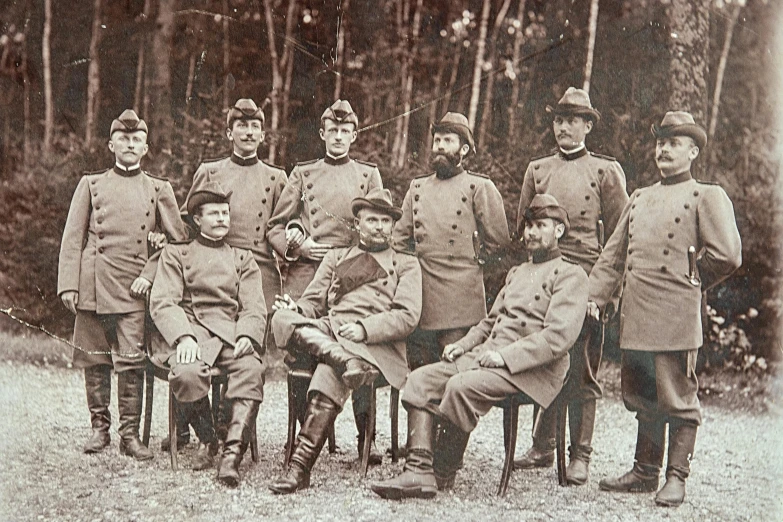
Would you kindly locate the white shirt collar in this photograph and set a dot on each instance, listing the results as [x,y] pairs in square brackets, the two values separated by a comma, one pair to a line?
[127,169]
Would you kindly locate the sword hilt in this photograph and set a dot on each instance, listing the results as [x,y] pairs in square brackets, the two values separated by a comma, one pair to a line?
[693,277]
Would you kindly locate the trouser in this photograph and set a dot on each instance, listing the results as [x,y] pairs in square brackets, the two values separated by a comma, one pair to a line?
[271,285]
[426,346]
[111,339]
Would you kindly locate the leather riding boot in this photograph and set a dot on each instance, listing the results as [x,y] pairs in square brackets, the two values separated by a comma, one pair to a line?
[417,479]
[97,383]
[358,373]
[243,417]
[682,440]
[354,371]
[199,414]
[542,453]
[183,429]
[321,413]
[361,400]
[449,450]
[643,477]
[581,417]
[130,389]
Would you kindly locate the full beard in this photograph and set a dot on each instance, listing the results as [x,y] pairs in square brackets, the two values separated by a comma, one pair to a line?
[445,164]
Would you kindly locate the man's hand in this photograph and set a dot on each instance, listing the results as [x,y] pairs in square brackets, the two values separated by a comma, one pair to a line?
[157,240]
[593,311]
[353,332]
[70,299]
[188,351]
[140,288]
[283,302]
[451,352]
[294,237]
[243,347]
[313,250]
[491,359]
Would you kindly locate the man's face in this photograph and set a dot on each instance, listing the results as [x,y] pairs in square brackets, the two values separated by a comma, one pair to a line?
[570,131]
[675,154]
[338,137]
[375,227]
[542,234]
[213,220]
[447,150]
[246,135]
[128,147]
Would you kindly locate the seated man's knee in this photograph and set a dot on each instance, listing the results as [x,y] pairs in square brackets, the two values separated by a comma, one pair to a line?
[189,382]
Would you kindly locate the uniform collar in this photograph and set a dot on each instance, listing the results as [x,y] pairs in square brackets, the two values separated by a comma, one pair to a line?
[454,171]
[244,162]
[679,178]
[547,255]
[127,171]
[331,160]
[211,243]
[373,248]
[573,154]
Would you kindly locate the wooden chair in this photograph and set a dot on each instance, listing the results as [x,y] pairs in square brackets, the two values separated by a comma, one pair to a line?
[510,407]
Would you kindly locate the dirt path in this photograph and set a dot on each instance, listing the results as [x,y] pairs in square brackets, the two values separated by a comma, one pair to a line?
[737,473]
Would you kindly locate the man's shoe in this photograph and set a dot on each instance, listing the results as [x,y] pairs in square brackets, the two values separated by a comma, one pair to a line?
[409,484]
[133,447]
[682,440]
[578,471]
[130,386]
[535,458]
[97,383]
[638,480]
[358,373]
[204,458]
[297,477]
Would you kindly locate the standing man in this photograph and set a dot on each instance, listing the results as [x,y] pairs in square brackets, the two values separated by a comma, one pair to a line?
[522,346]
[353,318]
[208,305]
[105,273]
[451,220]
[313,214]
[591,187]
[674,240]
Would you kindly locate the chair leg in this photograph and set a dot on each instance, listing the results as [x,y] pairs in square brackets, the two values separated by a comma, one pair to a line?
[149,383]
[562,411]
[511,420]
[217,394]
[289,445]
[332,440]
[254,443]
[394,409]
[172,432]
[369,431]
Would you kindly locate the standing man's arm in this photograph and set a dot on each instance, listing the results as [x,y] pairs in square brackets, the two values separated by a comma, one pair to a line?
[490,217]
[169,222]
[74,237]
[526,196]
[607,273]
[613,197]
[251,321]
[313,302]
[719,237]
[402,235]
[287,209]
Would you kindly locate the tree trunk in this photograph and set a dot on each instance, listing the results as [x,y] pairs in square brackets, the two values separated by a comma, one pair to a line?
[140,64]
[93,77]
[475,92]
[292,16]
[688,47]
[724,56]
[159,89]
[487,113]
[592,29]
[407,93]
[516,57]
[46,55]
[433,112]
[227,83]
[342,33]
[457,57]
[277,80]
[403,10]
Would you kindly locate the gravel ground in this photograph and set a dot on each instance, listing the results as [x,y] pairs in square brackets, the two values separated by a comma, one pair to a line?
[737,473]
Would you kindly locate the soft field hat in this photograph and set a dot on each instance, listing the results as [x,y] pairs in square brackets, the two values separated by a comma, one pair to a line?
[377,199]
[458,124]
[680,123]
[575,102]
[128,121]
[210,192]
[546,206]
[244,109]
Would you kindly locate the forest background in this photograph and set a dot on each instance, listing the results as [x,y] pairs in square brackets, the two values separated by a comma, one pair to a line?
[68,68]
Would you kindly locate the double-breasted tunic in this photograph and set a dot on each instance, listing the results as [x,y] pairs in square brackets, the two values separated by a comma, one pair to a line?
[449,223]
[388,308]
[256,188]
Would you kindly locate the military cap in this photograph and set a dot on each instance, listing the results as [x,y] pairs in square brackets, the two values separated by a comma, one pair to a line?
[341,112]
[575,102]
[377,199]
[458,124]
[244,109]
[546,206]
[128,121]
[210,192]
[680,123]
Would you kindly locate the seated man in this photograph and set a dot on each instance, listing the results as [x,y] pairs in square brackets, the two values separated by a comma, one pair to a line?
[353,318]
[522,346]
[208,304]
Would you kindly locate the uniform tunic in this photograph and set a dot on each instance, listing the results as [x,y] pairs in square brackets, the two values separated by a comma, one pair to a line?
[317,200]
[535,320]
[212,292]
[388,308]
[256,189]
[440,218]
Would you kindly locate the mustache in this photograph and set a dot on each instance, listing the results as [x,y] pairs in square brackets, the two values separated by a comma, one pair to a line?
[664,157]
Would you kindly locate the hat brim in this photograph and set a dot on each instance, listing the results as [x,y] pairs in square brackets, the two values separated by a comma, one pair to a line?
[460,130]
[557,213]
[379,205]
[202,198]
[692,130]
[574,110]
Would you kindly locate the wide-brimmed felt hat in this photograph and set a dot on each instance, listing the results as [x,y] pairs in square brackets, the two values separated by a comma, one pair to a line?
[575,102]
[377,199]
[210,192]
[341,112]
[680,123]
[128,121]
[458,124]
[244,109]
[546,206]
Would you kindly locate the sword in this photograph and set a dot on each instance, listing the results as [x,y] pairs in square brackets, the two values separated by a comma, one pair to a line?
[601,233]
[693,278]
[478,249]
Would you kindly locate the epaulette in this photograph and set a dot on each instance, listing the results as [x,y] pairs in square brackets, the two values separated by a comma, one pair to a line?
[547,155]
[272,165]
[156,177]
[426,175]
[478,174]
[369,163]
[602,156]
[303,163]
[215,160]
[404,252]
[94,172]
[707,182]
[569,260]
[181,242]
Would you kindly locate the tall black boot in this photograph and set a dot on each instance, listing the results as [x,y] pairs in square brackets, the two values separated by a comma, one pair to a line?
[682,440]
[354,371]
[130,389]
[199,414]
[643,477]
[417,479]
[542,453]
[321,413]
[183,429]
[97,383]
[243,417]
[361,403]
[449,450]
[581,418]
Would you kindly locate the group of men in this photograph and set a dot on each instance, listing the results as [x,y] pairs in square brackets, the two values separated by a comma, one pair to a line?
[357,290]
